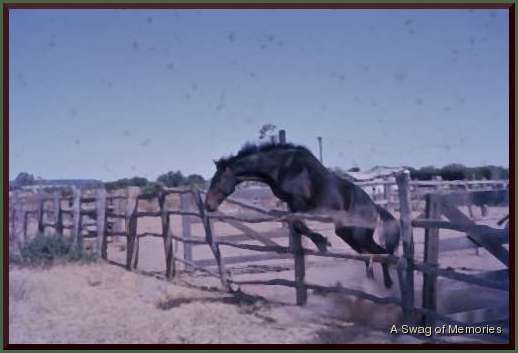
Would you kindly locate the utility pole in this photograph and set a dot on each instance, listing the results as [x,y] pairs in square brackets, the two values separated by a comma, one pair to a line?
[319,138]
[282,136]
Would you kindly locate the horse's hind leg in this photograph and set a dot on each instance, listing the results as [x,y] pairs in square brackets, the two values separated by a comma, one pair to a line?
[361,240]
[374,248]
[320,241]
[347,235]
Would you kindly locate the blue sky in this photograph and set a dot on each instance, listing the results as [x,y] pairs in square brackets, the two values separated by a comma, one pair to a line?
[116,93]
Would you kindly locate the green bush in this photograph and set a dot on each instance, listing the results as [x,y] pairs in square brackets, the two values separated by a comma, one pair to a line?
[151,189]
[453,171]
[457,171]
[47,250]
[125,182]
[424,173]
[171,179]
[174,179]
[195,179]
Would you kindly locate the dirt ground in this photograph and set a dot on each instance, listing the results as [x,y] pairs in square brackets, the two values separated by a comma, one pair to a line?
[107,304]
[104,303]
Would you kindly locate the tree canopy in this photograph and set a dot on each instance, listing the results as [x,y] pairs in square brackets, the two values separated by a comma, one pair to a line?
[169,179]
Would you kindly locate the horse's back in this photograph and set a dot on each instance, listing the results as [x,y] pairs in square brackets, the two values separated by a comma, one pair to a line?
[355,198]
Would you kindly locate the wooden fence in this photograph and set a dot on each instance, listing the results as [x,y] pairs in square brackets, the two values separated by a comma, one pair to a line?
[384,191]
[475,236]
[103,215]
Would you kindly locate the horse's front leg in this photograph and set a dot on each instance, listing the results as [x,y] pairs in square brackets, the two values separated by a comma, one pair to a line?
[320,241]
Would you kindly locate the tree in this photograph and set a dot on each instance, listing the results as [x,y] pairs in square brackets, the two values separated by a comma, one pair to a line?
[453,171]
[424,173]
[176,178]
[23,179]
[172,179]
[267,130]
[196,179]
[138,181]
[504,173]
[125,182]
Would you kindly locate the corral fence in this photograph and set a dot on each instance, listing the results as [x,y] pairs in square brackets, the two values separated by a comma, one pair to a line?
[384,190]
[102,216]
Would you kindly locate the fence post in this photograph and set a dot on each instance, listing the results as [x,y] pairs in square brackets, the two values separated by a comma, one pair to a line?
[210,240]
[17,210]
[282,136]
[406,274]
[77,237]
[170,265]
[100,203]
[117,224]
[59,215]
[131,227]
[13,214]
[386,192]
[483,210]
[185,201]
[41,204]
[25,226]
[300,268]
[431,257]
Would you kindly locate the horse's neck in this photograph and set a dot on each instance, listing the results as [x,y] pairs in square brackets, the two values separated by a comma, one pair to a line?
[295,189]
[256,168]
[260,169]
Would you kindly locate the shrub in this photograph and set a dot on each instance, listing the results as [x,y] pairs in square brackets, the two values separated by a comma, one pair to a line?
[172,179]
[457,171]
[424,173]
[453,171]
[46,250]
[125,182]
[151,189]
[195,179]
[23,179]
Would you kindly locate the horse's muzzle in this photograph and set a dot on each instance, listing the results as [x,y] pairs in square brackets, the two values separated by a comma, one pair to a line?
[211,203]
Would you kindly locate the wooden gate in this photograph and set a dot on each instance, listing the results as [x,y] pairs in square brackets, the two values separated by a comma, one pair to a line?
[439,206]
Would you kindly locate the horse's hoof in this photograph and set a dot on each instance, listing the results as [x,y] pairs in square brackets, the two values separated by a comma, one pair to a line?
[320,241]
[322,247]
[370,272]
[388,283]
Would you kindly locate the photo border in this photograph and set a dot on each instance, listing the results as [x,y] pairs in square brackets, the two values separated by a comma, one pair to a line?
[299,4]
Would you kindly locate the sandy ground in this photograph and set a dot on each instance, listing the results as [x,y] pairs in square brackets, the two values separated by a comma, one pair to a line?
[104,303]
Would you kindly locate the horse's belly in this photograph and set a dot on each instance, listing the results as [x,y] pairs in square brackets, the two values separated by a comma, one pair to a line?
[344,218]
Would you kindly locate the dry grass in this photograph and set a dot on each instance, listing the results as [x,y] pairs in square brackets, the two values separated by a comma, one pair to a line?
[102,303]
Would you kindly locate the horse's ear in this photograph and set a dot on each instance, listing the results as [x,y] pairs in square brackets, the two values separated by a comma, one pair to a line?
[219,164]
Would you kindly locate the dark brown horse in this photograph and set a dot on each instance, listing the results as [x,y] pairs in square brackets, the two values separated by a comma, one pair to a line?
[296,177]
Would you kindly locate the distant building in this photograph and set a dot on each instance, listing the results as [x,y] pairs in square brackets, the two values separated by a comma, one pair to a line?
[378,174]
[374,174]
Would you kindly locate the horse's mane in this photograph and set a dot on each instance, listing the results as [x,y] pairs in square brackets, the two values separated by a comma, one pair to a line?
[252,148]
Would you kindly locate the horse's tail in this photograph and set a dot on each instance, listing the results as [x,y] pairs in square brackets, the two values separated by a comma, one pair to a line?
[391,231]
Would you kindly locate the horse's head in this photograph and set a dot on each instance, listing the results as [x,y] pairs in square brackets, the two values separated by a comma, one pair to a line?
[222,185]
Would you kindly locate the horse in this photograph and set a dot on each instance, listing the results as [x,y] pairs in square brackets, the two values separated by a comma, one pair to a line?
[297,177]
